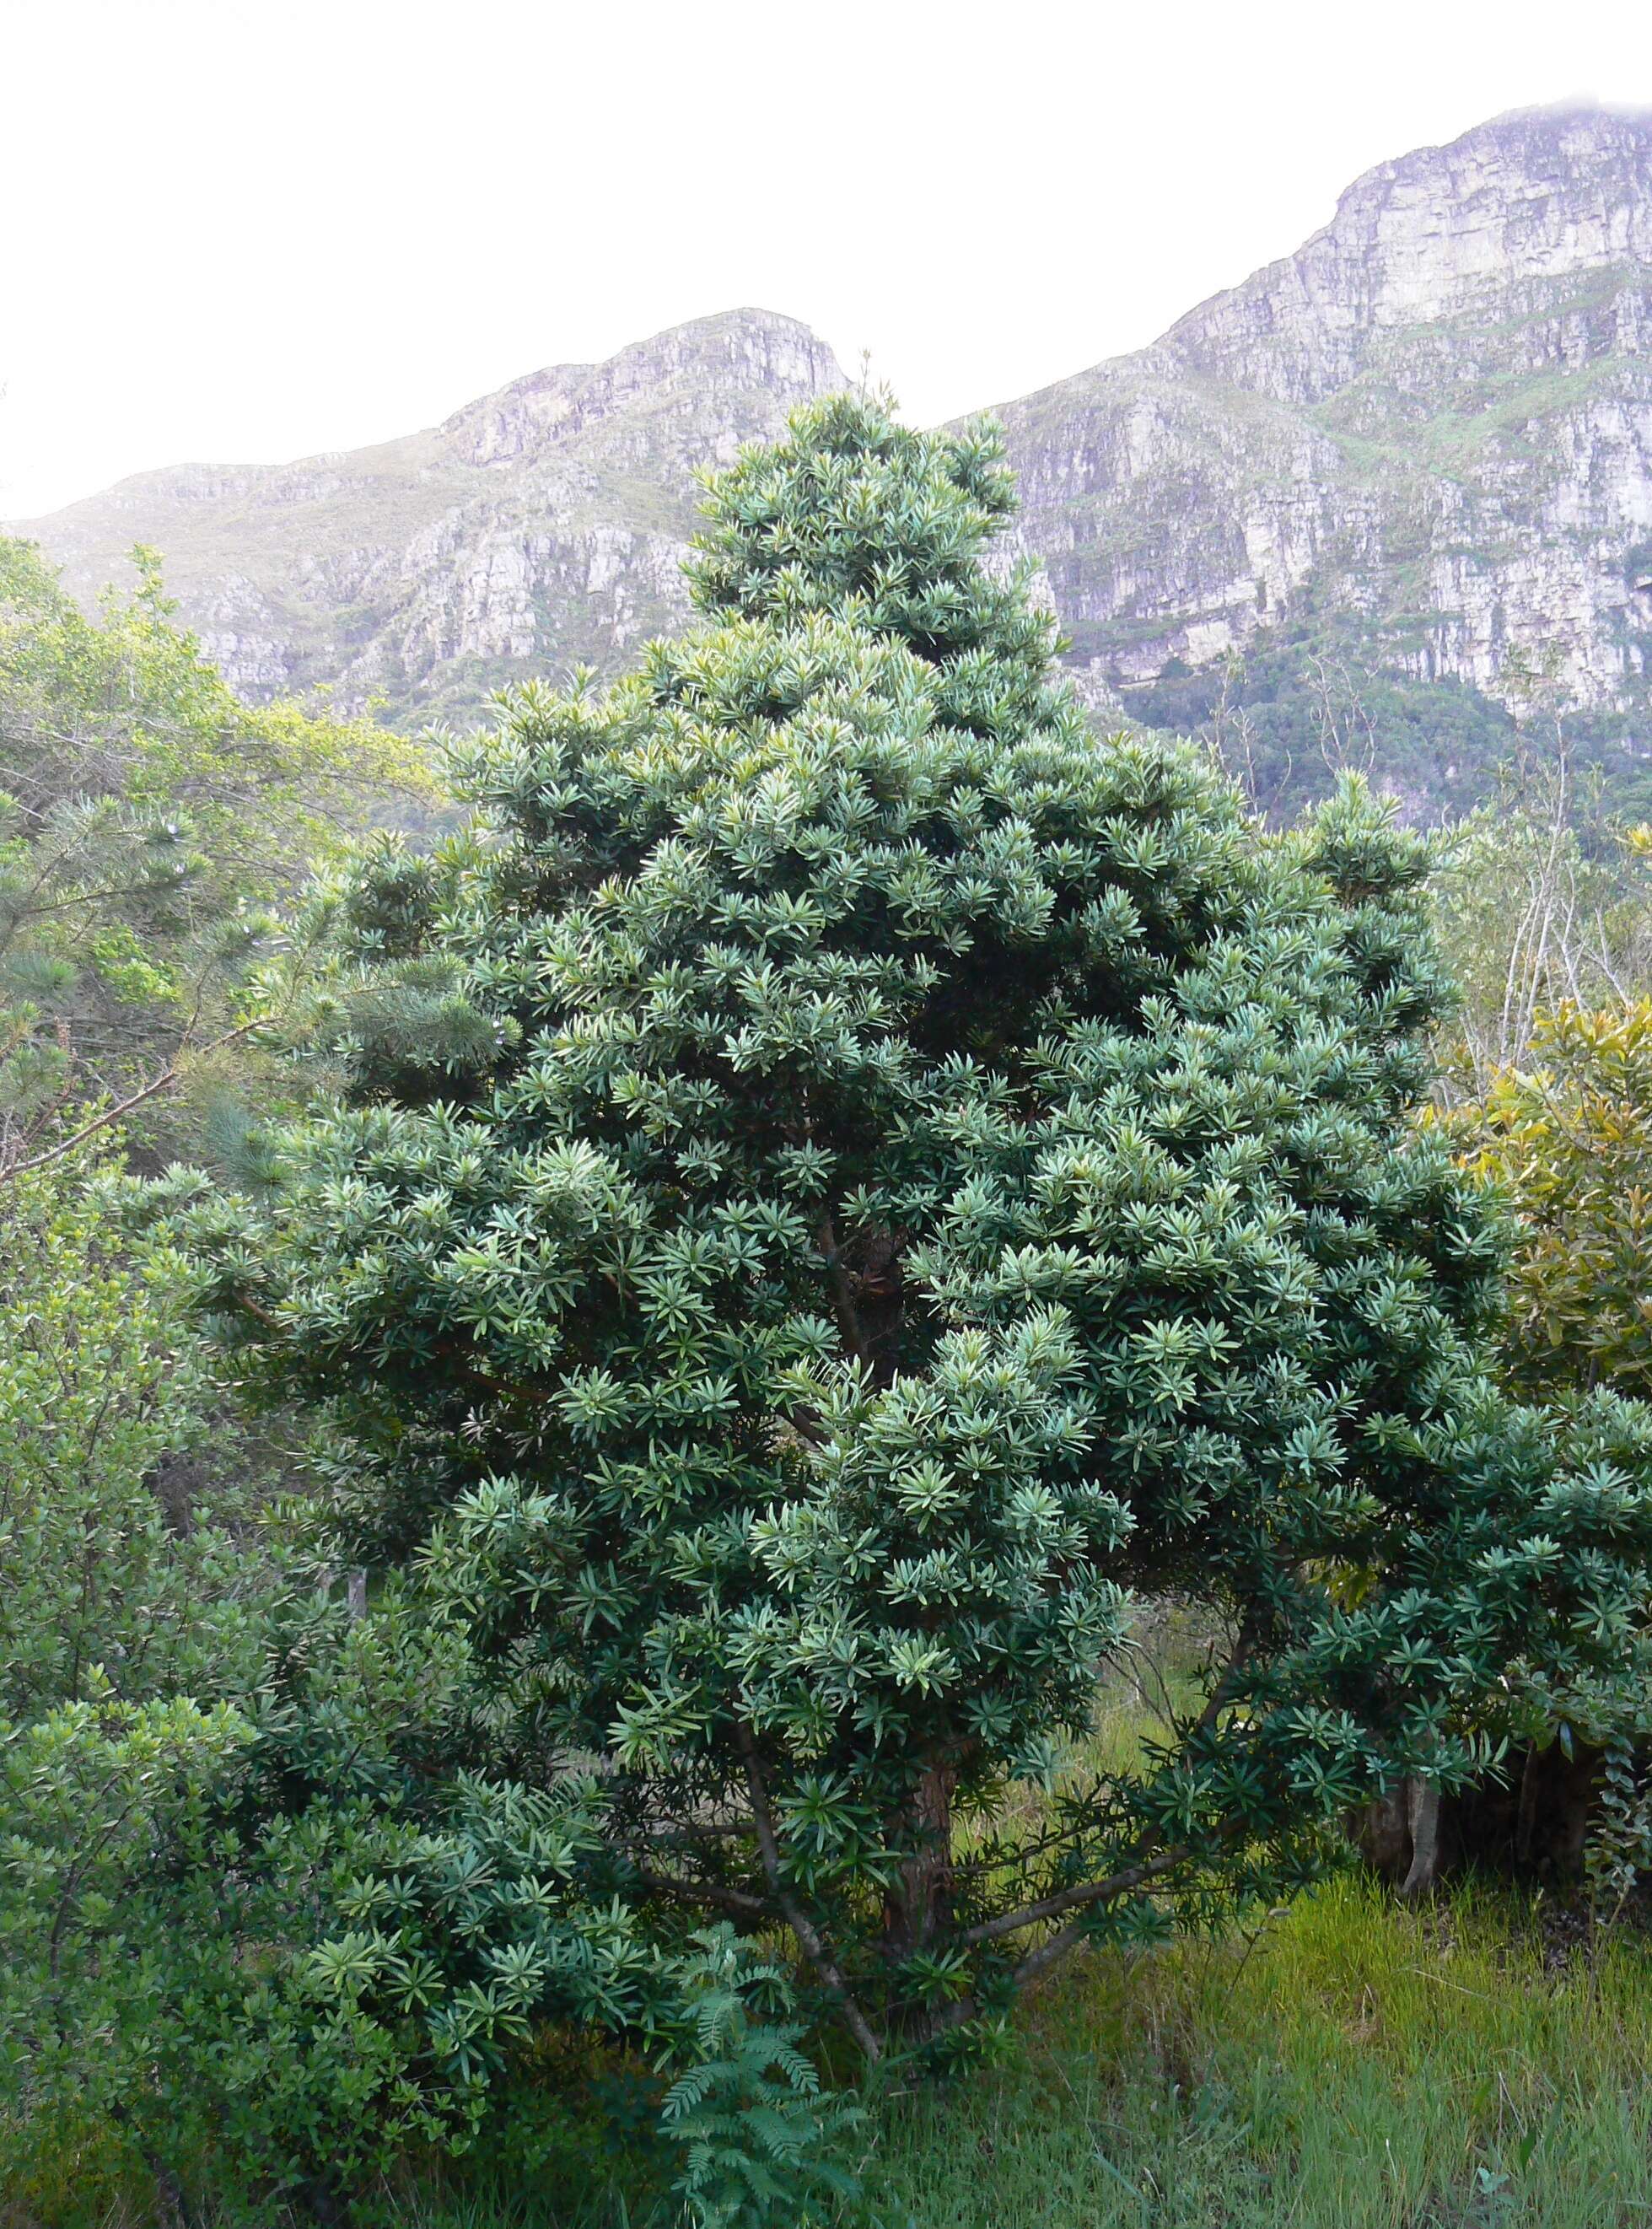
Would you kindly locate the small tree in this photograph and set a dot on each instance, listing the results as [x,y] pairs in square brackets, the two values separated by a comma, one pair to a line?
[845,1188]
[147,817]
[1543,901]
[1564,1136]
[116,1591]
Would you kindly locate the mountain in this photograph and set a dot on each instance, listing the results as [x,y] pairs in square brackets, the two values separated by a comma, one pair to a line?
[542,525]
[1400,470]
[1385,496]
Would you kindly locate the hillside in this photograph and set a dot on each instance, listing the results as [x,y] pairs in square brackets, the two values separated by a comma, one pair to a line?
[538,526]
[1397,473]
[1419,448]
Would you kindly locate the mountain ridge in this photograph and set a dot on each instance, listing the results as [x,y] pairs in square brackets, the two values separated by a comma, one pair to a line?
[536,525]
[1418,450]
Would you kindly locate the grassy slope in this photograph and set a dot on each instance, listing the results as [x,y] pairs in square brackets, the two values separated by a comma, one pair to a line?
[1363,2069]
[1357,2067]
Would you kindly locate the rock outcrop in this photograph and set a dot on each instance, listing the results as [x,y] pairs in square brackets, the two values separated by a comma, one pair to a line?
[539,527]
[1435,421]
[1419,449]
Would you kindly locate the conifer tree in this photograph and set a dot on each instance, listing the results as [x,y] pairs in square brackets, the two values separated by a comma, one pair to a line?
[845,1188]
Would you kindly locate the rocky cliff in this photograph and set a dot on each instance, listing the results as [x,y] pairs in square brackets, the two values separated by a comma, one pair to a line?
[1423,444]
[541,526]
[1364,496]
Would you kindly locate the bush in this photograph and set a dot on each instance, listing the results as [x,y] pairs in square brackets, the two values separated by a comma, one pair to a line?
[118,1584]
[260,1929]
[147,817]
[1567,1139]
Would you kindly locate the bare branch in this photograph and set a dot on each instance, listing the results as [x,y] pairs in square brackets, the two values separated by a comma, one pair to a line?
[121,1108]
[711,1892]
[843,1292]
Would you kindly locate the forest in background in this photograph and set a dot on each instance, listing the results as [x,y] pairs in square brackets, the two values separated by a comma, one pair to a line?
[383,1807]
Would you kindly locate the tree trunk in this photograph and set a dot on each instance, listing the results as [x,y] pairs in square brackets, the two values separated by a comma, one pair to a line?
[1533,1826]
[1526,1819]
[915,1913]
[1422,1820]
[323,2203]
[172,2202]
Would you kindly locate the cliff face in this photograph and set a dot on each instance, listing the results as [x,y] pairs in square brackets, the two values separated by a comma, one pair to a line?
[1419,449]
[1427,433]
[539,526]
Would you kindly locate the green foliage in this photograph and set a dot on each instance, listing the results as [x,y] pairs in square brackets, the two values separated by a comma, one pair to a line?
[756,2130]
[1353,2064]
[146,818]
[846,1190]
[1568,1140]
[845,1195]
[96,2044]
[267,1947]
[129,1630]
[260,1928]
[1618,1855]
[139,1674]
[112,1594]
[1542,897]
[1303,702]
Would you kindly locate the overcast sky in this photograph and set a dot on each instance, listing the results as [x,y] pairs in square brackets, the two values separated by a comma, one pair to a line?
[241,231]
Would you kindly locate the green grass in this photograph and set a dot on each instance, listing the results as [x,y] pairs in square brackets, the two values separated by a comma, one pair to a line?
[1362,2068]
[1356,2067]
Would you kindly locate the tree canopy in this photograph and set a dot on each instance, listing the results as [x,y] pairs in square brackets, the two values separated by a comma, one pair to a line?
[147,818]
[845,1188]
[1566,1136]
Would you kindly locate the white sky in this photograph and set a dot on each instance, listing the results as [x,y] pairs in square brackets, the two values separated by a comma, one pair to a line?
[251,231]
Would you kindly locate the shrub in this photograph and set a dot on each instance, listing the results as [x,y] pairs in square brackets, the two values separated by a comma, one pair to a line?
[1567,1138]
[146,818]
[116,1585]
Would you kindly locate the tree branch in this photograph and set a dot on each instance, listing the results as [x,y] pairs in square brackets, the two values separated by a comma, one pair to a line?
[843,1292]
[1069,1899]
[167,1078]
[711,1892]
[451,1349]
[796,1918]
